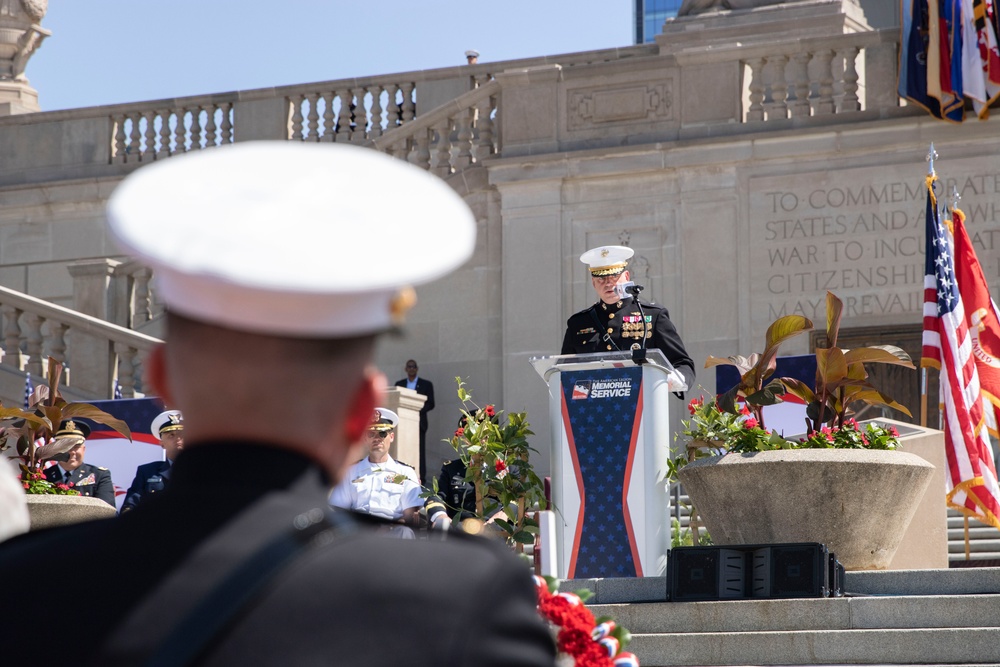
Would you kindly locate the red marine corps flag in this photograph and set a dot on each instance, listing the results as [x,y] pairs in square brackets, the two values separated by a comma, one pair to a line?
[948,346]
[981,320]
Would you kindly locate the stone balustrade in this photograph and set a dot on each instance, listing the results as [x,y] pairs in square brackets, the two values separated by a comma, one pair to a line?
[34,329]
[815,77]
[450,138]
[143,134]
[134,303]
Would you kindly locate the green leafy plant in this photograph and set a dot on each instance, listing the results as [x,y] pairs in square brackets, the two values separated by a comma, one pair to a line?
[31,432]
[852,436]
[494,448]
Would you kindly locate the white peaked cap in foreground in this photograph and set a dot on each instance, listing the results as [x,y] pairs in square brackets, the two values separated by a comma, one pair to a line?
[294,239]
[607,260]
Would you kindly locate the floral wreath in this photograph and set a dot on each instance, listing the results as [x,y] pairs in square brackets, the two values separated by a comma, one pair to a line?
[581,639]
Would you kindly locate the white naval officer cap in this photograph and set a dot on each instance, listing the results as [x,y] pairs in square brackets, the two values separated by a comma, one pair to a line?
[472,53]
[383,419]
[607,260]
[284,238]
[167,422]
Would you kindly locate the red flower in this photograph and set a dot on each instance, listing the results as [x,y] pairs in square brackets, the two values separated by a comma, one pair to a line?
[62,487]
[490,411]
[893,432]
[852,423]
[864,439]
[745,411]
[459,432]
[24,484]
[694,404]
[750,423]
[500,466]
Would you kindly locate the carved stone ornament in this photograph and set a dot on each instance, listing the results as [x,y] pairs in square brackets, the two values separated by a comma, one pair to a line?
[20,35]
[620,105]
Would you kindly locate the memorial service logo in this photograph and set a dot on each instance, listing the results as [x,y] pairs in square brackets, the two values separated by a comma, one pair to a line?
[585,389]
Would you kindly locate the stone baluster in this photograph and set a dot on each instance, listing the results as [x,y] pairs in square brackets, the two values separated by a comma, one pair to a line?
[196,135]
[483,137]
[376,113]
[756,110]
[180,131]
[779,87]
[12,337]
[134,150]
[142,308]
[164,150]
[408,108]
[33,343]
[328,117]
[360,131]
[344,117]
[823,103]
[312,119]
[126,369]
[149,152]
[850,101]
[211,129]
[401,149]
[227,123]
[118,156]
[420,154]
[296,102]
[440,163]
[800,85]
[463,139]
[57,340]
[394,117]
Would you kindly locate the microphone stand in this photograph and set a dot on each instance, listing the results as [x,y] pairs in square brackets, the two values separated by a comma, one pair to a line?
[639,353]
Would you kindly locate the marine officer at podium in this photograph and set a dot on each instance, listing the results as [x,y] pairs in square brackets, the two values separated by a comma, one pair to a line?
[614,323]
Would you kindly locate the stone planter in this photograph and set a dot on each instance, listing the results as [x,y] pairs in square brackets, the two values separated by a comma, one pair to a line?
[856,502]
[47,511]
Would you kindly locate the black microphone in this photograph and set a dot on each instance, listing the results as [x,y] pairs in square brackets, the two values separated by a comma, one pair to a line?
[628,288]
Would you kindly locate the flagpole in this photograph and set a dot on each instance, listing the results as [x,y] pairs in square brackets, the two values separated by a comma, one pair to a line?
[931,154]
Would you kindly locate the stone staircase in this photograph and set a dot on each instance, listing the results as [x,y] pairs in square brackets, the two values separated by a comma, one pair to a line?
[940,617]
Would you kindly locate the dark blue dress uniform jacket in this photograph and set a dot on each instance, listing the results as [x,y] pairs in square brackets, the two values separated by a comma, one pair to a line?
[149,478]
[365,598]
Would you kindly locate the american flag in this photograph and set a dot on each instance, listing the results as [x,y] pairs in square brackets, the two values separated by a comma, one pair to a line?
[947,346]
[118,391]
[28,389]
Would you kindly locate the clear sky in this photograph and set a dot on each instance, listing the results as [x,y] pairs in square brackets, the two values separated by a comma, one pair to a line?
[111,51]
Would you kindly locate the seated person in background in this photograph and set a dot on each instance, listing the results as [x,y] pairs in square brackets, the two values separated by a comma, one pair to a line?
[377,484]
[153,477]
[89,480]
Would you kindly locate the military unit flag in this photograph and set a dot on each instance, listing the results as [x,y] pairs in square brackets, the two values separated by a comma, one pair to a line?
[948,345]
[950,52]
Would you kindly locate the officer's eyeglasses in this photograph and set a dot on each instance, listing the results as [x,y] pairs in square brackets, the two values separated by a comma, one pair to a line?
[608,279]
[377,435]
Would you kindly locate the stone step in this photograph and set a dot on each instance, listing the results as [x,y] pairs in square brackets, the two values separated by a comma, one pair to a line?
[808,614]
[947,646]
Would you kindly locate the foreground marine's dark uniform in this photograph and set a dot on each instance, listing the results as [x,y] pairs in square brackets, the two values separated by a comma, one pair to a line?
[332,605]
[608,328]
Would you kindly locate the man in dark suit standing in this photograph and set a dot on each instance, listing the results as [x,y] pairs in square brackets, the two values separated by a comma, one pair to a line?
[153,477]
[424,388]
[89,480]
[262,251]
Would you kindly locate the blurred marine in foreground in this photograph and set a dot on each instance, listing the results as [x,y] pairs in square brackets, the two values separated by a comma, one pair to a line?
[263,254]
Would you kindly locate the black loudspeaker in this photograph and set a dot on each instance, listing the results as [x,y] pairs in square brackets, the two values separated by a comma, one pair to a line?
[837,576]
[706,573]
[792,571]
[753,570]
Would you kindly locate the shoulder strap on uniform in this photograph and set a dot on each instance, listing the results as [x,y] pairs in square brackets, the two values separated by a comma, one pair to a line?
[197,604]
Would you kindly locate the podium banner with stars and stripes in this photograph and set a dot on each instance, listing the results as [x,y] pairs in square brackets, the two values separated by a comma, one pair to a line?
[602,488]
